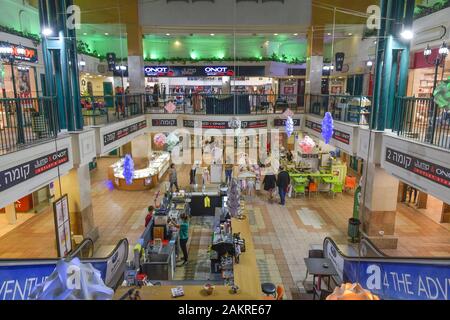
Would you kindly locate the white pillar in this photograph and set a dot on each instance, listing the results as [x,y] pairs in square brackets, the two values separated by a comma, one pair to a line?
[11,213]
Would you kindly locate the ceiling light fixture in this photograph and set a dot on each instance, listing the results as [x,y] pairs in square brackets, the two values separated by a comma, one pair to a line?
[106,34]
[47,32]
[407,34]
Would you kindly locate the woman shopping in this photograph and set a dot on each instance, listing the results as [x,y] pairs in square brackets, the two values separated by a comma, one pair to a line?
[183,228]
[270,183]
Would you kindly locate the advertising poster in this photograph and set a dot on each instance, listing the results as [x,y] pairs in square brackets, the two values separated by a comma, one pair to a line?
[62,225]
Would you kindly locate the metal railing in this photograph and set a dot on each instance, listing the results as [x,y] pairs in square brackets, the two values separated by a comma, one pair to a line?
[26,121]
[98,110]
[422,120]
[224,104]
[345,108]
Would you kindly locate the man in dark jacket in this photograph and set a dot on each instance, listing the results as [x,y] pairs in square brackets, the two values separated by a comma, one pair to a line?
[283,183]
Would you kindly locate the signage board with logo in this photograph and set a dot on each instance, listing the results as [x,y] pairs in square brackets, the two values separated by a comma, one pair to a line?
[17,52]
[123,132]
[254,124]
[62,225]
[203,71]
[25,171]
[282,122]
[436,173]
[164,122]
[337,135]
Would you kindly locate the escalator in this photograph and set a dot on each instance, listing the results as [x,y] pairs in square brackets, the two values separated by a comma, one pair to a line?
[18,277]
[391,278]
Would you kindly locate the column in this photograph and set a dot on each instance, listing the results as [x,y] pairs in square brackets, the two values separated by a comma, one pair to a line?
[380,207]
[77,185]
[445,217]
[314,67]
[422,200]
[10,211]
[136,77]
[140,150]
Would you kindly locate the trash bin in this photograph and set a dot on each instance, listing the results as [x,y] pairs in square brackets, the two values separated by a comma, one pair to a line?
[353,228]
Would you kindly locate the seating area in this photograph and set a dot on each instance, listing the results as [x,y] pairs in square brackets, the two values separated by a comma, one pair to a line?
[309,183]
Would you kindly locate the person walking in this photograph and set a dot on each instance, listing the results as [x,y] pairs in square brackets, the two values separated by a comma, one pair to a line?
[270,183]
[183,233]
[283,182]
[173,179]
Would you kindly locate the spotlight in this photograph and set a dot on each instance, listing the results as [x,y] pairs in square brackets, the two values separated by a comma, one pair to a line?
[407,34]
[369,63]
[47,32]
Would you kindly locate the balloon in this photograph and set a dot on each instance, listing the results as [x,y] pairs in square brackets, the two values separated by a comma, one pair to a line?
[442,94]
[159,139]
[307,145]
[172,141]
[327,127]
[289,126]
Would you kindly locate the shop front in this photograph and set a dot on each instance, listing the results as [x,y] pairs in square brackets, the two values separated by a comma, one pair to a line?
[18,71]
[208,88]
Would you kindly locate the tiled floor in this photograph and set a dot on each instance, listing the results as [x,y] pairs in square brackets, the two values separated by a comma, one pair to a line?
[282,235]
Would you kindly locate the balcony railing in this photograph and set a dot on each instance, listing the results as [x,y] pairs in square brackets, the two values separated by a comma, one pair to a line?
[98,110]
[345,108]
[26,121]
[422,120]
[225,104]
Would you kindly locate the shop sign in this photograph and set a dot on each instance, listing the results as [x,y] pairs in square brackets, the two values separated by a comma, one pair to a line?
[17,52]
[164,122]
[218,71]
[157,71]
[337,135]
[254,124]
[310,156]
[119,134]
[423,168]
[282,122]
[202,71]
[23,172]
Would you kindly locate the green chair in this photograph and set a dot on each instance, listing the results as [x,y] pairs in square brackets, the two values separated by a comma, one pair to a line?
[337,188]
[300,189]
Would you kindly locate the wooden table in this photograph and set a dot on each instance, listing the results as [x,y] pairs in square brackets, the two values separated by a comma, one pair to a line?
[246,277]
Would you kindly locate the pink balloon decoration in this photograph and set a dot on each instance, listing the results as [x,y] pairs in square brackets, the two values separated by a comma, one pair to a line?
[307,145]
[159,139]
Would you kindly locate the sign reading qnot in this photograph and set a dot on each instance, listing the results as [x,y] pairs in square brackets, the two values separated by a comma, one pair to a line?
[119,134]
[423,168]
[25,171]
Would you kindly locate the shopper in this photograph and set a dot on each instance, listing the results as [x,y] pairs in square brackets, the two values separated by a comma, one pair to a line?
[173,178]
[228,172]
[270,183]
[289,156]
[149,215]
[283,182]
[183,233]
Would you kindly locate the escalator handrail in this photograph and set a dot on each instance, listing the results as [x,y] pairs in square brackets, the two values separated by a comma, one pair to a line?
[78,249]
[418,260]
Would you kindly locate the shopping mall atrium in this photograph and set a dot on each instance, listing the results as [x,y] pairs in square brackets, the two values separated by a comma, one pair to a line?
[224,150]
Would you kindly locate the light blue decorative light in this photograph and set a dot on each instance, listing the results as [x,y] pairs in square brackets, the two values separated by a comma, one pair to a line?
[289,126]
[128,169]
[327,127]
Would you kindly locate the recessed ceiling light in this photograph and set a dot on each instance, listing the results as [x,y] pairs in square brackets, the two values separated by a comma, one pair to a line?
[295,34]
[84,33]
[275,34]
[167,34]
[106,34]
[212,34]
[350,34]
[329,33]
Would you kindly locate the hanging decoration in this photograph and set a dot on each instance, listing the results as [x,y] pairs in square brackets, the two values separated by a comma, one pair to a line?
[233,202]
[442,94]
[160,139]
[288,113]
[128,169]
[172,141]
[327,127]
[62,284]
[352,291]
[170,107]
[289,127]
[307,145]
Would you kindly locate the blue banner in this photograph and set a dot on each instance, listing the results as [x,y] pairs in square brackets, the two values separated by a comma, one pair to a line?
[404,281]
[18,281]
